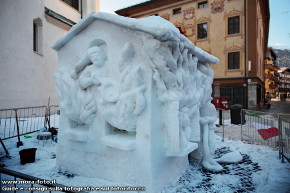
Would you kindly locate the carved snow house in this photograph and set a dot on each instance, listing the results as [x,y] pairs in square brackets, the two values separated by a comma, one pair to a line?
[130,93]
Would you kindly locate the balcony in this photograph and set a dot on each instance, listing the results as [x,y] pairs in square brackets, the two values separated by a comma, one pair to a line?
[269,66]
[272,77]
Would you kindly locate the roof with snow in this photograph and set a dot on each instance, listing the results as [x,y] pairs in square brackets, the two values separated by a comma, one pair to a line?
[284,70]
[154,25]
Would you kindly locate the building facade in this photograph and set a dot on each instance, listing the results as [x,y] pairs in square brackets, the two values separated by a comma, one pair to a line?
[28,30]
[271,73]
[235,31]
[284,78]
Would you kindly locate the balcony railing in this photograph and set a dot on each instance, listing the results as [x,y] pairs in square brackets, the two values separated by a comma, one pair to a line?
[272,77]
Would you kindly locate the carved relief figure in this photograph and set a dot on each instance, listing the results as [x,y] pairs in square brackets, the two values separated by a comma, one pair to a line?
[122,110]
[88,72]
[75,89]
[67,91]
[118,104]
[182,85]
[207,120]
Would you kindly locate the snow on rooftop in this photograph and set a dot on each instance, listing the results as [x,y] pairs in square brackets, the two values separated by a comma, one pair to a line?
[154,25]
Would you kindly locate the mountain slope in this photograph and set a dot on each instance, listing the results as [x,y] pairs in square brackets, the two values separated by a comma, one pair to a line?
[283,57]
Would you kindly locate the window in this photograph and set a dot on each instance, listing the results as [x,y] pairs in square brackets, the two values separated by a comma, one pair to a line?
[202,4]
[176,11]
[237,95]
[234,25]
[34,37]
[202,31]
[37,35]
[233,60]
[72,3]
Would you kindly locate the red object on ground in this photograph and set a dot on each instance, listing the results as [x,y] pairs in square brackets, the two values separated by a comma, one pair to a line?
[268,133]
[221,102]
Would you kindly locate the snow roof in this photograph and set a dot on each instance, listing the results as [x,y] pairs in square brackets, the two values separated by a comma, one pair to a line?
[154,25]
[284,70]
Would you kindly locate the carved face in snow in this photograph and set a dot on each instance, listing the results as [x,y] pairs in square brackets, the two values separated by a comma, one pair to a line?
[97,56]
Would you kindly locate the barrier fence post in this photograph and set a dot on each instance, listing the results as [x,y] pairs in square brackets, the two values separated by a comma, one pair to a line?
[220,117]
[5,149]
[223,128]
[281,144]
[19,143]
[242,111]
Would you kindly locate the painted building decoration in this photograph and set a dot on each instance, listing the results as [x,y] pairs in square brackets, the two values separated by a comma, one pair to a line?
[166,16]
[217,6]
[188,13]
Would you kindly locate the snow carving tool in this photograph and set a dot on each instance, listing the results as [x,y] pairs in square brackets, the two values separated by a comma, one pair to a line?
[19,143]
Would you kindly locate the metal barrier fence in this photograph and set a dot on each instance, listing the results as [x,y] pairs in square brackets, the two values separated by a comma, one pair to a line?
[223,114]
[30,119]
[223,119]
[266,129]
[12,181]
[53,112]
[284,138]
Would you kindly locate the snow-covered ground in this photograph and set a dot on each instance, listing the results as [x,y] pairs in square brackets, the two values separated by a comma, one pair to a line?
[259,171]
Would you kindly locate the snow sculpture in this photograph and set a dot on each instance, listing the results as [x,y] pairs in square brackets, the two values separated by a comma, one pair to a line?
[207,120]
[135,100]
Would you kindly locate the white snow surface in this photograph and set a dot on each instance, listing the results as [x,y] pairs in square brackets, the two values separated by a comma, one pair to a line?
[273,176]
[232,157]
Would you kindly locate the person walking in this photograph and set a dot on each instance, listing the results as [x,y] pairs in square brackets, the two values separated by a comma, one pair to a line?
[268,100]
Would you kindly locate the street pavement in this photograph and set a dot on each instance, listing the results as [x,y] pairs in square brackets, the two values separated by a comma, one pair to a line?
[279,107]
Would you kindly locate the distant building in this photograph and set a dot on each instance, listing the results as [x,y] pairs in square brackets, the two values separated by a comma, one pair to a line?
[28,64]
[284,78]
[236,31]
[271,72]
